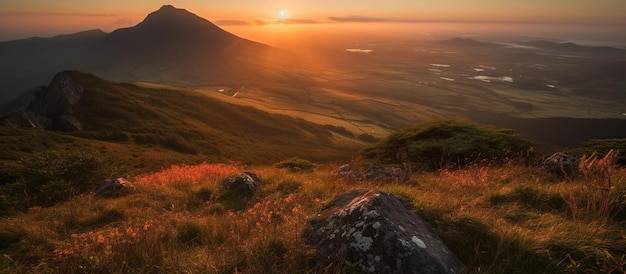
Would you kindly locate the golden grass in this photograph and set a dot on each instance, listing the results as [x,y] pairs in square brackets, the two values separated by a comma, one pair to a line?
[496,219]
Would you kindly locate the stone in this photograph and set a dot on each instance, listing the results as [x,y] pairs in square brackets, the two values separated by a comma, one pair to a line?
[53,110]
[246,183]
[378,173]
[113,188]
[374,173]
[561,164]
[377,233]
[347,172]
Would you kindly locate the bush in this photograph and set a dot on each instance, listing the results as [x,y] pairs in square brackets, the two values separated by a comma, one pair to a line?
[179,144]
[190,234]
[296,163]
[339,130]
[448,143]
[367,138]
[49,178]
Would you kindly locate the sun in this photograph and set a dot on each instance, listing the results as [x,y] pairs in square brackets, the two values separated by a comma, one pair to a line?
[282,14]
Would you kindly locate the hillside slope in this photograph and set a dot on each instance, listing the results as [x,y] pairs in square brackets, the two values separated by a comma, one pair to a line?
[183,125]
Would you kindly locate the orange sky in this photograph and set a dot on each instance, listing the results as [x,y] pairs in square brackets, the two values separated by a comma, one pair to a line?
[26,18]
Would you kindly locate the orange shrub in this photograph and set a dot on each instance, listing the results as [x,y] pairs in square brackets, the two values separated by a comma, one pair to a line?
[110,249]
[188,174]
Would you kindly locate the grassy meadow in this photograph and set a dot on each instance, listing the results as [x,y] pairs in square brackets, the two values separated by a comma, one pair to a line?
[506,218]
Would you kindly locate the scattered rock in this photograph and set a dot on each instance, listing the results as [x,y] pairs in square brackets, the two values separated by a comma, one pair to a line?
[375,232]
[113,188]
[53,109]
[374,172]
[347,172]
[562,165]
[378,173]
[246,183]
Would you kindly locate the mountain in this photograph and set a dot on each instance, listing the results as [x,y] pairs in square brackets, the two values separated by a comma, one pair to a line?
[172,33]
[170,45]
[175,43]
[571,47]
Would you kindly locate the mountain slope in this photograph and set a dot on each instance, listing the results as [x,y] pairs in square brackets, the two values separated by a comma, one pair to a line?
[185,126]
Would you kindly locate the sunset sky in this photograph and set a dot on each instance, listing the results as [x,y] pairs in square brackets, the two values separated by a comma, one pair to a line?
[27,18]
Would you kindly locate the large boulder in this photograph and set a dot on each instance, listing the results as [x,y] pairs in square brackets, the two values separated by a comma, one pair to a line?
[53,109]
[562,165]
[376,232]
[246,183]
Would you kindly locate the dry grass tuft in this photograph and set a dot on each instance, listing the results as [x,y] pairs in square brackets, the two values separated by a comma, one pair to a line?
[597,197]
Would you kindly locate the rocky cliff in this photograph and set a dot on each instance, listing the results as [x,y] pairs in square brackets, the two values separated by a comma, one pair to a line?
[52,108]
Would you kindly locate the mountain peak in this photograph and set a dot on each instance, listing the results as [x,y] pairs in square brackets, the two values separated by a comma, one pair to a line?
[171,23]
[168,7]
[172,13]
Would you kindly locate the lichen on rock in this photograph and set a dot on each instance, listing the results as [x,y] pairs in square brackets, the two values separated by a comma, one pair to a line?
[378,233]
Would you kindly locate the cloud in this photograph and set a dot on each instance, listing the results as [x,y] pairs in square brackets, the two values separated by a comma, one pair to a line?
[298,21]
[287,21]
[228,22]
[123,21]
[262,22]
[55,14]
[365,19]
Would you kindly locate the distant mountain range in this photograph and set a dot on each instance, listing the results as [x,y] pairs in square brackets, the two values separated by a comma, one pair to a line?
[571,47]
[546,45]
[170,45]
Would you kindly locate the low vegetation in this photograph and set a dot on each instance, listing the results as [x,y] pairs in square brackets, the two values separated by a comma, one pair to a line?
[601,146]
[48,178]
[296,164]
[440,144]
[496,219]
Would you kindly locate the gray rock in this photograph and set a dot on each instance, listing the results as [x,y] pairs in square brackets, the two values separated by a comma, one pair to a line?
[378,173]
[113,188]
[246,183]
[374,172]
[347,172]
[376,232]
[562,165]
[53,110]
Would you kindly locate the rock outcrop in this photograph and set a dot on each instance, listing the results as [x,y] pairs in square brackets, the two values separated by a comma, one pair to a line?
[246,183]
[562,165]
[53,109]
[113,188]
[376,232]
[374,173]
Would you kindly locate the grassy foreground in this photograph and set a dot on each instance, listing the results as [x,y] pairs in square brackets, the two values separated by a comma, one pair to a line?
[497,219]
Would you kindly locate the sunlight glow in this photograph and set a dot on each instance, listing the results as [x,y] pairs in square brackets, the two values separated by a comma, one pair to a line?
[282,14]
